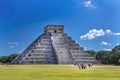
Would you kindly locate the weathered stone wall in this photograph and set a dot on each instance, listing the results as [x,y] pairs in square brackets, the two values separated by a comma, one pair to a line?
[54,29]
[61,49]
[54,47]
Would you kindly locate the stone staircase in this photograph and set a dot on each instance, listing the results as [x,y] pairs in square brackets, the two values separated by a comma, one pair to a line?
[54,47]
[61,49]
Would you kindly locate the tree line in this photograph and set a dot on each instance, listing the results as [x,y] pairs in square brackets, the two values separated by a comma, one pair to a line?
[107,57]
[8,59]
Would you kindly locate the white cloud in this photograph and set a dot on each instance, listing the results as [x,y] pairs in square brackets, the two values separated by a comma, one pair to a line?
[108,31]
[97,33]
[13,44]
[112,33]
[104,43]
[117,34]
[88,4]
[92,34]
[107,49]
[118,44]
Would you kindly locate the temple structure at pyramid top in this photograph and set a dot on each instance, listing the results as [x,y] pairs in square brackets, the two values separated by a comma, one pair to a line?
[54,29]
[54,47]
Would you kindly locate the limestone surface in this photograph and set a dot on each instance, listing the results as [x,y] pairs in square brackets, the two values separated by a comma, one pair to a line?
[54,47]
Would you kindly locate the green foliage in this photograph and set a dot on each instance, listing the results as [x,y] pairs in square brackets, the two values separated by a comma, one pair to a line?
[107,57]
[116,49]
[3,59]
[11,57]
[92,52]
[103,56]
[8,59]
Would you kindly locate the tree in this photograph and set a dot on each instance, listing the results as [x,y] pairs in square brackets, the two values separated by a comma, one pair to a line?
[11,57]
[92,52]
[8,59]
[3,59]
[109,57]
[116,49]
[104,56]
[116,54]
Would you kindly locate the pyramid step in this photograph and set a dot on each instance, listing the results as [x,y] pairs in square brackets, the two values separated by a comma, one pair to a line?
[52,47]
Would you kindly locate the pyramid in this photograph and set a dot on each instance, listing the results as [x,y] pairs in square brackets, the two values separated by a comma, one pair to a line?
[54,47]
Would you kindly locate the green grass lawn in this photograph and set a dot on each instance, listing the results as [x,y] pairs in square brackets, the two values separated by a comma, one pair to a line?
[58,72]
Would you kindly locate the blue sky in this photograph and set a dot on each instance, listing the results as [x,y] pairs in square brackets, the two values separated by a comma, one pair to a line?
[94,24]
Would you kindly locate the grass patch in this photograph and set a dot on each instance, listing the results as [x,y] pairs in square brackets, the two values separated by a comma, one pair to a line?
[58,72]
